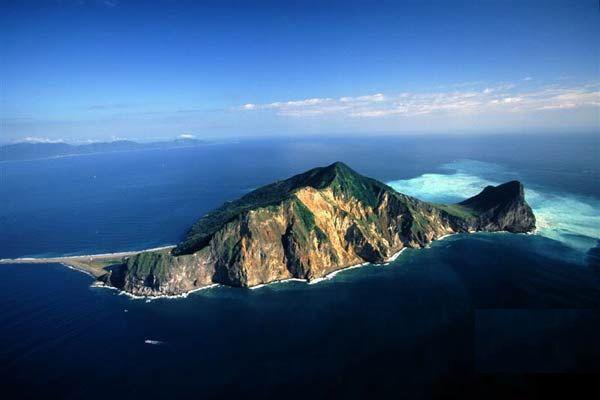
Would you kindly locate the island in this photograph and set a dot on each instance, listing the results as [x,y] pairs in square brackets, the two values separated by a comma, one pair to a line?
[305,227]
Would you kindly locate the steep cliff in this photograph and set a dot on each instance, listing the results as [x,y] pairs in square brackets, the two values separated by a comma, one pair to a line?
[310,225]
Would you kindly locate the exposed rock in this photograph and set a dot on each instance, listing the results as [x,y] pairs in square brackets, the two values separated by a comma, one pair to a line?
[310,225]
[502,208]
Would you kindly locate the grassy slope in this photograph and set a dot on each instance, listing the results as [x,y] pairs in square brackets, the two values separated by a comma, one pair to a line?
[457,210]
[94,267]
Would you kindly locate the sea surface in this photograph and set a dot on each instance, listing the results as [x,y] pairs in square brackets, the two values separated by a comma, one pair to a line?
[482,315]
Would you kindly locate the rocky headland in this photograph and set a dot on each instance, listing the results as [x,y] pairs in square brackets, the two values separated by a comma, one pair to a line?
[308,226]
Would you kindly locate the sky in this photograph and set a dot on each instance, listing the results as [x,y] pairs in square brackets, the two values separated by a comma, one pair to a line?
[89,70]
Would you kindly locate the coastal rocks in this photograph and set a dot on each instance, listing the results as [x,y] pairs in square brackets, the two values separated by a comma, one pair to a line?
[160,273]
[310,225]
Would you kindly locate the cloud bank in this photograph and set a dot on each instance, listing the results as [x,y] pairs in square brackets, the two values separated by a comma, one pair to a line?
[562,105]
[39,139]
[502,98]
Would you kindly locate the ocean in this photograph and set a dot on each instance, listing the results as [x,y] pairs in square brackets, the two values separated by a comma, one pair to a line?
[470,315]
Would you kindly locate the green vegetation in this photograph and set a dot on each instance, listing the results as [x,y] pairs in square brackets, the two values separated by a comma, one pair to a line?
[232,247]
[339,176]
[321,236]
[305,215]
[457,210]
[155,263]
[95,266]
[304,224]
[346,182]
[420,224]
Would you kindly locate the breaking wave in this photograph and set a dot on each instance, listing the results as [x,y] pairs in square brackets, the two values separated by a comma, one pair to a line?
[571,219]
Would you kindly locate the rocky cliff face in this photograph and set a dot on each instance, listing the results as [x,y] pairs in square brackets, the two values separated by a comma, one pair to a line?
[310,225]
[502,208]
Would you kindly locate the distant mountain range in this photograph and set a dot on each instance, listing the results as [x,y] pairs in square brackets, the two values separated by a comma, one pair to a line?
[34,151]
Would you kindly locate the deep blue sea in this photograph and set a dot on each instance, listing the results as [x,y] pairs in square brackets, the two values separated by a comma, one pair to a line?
[482,315]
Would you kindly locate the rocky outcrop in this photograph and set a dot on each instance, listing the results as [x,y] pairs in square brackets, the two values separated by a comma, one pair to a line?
[310,225]
[502,208]
[156,273]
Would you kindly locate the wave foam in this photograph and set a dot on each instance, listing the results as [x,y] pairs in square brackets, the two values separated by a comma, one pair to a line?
[571,219]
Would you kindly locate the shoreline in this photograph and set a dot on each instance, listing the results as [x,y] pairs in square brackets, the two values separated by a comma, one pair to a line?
[327,277]
[83,271]
[98,256]
[91,264]
[331,274]
[107,256]
[58,259]
[100,285]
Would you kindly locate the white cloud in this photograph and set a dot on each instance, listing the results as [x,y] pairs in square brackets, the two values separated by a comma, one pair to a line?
[378,97]
[509,100]
[562,106]
[528,78]
[186,136]
[492,99]
[38,139]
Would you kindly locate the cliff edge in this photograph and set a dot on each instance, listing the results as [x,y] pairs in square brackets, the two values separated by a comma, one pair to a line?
[310,225]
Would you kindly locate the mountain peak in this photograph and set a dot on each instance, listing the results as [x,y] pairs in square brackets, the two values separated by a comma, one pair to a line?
[339,177]
[502,207]
[339,166]
[494,195]
[322,177]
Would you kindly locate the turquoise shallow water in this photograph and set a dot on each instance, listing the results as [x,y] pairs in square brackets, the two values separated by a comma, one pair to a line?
[441,320]
[569,218]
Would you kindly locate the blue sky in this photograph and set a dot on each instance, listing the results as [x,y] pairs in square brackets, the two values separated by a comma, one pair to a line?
[97,70]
